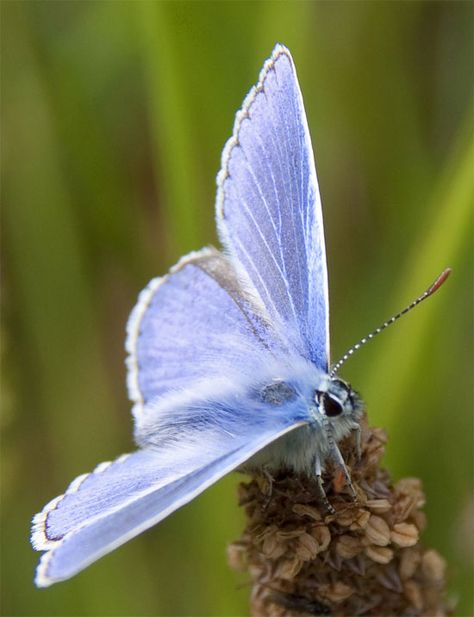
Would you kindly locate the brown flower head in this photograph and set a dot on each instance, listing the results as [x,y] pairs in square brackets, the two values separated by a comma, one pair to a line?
[363,559]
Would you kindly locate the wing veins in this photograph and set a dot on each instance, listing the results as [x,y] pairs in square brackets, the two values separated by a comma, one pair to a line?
[289,159]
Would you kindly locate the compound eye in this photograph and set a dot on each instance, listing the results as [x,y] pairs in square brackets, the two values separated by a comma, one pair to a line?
[331,407]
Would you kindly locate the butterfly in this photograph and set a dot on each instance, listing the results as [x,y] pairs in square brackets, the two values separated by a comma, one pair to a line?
[228,354]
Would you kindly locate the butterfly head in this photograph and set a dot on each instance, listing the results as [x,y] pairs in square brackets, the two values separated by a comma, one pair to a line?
[335,398]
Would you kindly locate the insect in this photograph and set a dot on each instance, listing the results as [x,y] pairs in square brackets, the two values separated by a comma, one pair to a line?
[228,354]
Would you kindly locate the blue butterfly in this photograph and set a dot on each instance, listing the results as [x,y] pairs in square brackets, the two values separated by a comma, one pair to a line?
[228,354]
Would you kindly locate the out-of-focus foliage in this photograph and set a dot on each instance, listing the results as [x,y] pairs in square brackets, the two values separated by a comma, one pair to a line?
[114,115]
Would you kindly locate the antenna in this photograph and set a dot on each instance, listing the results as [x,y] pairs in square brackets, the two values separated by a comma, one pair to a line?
[431,289]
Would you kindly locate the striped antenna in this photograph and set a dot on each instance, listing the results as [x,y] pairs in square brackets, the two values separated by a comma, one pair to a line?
[431,289]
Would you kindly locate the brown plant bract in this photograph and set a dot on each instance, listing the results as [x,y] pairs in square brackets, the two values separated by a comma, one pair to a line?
[366,559]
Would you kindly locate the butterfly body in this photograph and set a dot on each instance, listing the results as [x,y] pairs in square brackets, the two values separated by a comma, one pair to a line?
[310,446]
[299,450]
[290,388]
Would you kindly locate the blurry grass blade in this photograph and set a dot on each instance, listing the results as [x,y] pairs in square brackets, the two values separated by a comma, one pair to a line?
[55,307]
[177,180]
[445,238]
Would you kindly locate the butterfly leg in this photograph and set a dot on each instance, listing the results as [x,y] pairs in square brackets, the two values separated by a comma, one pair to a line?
[356,427]
[319,480]
[338,459]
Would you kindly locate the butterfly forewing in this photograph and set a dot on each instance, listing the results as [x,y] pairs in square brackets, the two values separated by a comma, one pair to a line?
[269,211]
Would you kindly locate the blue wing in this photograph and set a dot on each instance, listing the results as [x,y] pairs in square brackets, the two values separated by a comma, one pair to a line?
[119,500]
[269,211]
[194,324]
[215,329]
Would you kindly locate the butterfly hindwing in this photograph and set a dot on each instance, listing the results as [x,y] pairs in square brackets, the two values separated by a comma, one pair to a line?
[268,207]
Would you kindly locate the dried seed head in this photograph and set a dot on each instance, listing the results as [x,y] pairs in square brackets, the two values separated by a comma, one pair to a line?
[307,547]
[360,521]
[288,534]
[289,568]
[379,554]
[304,510]
[409,562]
[348,546]
[346,517]
[377,531]
[237,556]
[273,547]
[297,604]
[413,593]
[322,535]
[378,506]
[295,551]
[411,486]
[404,534]
[375,447]
[389,578]
[337,592]
[419,519]
[433,567]
[410,497]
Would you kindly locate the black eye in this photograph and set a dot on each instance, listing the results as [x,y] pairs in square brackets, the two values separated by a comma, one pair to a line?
[331,407]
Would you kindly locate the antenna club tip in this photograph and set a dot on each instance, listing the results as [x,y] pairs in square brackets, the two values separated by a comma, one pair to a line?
[439,281]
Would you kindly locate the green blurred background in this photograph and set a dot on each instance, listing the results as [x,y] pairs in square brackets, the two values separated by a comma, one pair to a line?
[114,116]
